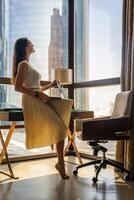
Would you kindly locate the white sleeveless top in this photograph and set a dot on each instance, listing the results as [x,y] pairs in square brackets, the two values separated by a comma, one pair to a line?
[32,79]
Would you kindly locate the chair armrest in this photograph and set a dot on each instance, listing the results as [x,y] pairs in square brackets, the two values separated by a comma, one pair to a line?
[104,128]
[79,122]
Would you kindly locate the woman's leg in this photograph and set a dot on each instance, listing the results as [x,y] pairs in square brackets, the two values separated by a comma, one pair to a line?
[60,166]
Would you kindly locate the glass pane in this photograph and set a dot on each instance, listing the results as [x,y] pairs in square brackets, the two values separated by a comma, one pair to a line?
[98,37]
[98,99]
[45,23]
[16,147]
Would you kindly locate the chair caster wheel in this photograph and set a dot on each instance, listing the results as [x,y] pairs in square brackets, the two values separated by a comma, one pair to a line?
[75,172]
[126,177]
[94,179]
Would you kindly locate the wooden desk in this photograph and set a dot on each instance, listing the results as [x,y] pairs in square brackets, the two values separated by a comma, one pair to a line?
[76,114]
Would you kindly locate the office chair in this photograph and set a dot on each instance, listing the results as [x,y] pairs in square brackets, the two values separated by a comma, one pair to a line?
[99,130]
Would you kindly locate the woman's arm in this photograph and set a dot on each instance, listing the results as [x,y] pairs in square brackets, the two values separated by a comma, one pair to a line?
[48,86]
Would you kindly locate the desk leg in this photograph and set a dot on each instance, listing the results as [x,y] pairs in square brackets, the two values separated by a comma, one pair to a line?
[71,142]
[67,147]
[9,135]
[4,151]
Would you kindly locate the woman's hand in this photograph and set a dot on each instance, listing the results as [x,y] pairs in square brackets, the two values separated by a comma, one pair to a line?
[54,83]
[50,85]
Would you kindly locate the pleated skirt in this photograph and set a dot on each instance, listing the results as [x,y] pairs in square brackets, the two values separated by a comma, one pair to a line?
[45,123]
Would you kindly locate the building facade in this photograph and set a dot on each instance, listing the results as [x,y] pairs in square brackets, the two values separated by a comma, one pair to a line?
[55,52]
[81,56]
[2,64]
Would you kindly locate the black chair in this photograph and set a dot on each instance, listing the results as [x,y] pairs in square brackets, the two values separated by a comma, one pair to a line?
[99,130]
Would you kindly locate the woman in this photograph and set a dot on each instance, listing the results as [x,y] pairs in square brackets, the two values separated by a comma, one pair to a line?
[46,120]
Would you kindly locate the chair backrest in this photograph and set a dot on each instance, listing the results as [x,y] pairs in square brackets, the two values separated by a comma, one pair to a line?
[112,128]
[123,104]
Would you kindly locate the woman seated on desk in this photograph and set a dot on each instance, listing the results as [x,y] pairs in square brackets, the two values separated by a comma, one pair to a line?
[46,119]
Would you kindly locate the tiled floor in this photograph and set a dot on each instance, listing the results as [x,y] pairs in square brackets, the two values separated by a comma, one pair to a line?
[39,180]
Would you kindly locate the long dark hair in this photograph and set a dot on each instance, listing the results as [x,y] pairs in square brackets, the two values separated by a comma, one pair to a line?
[19,54]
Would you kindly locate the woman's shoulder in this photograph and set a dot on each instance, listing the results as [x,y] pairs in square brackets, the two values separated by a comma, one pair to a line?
[23,64]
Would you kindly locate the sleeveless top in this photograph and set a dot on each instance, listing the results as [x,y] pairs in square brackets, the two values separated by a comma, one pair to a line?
[33,77]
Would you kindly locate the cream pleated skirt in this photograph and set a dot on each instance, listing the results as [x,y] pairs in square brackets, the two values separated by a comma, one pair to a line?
[45,123]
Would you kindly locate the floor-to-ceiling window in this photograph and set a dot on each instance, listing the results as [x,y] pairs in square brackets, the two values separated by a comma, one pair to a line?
[98,39]
[97,51]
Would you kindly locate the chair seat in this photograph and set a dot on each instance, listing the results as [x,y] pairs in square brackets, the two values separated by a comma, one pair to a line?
[118,136]
[103,128]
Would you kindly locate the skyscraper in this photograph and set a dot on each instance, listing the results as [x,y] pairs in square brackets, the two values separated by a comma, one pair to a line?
[65,32]
[2,67]
[58,47]
[55,52]
[81,51]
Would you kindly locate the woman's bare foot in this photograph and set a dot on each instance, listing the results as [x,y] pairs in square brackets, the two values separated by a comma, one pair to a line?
[61,171]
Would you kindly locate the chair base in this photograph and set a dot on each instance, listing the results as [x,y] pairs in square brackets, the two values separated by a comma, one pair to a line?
[103,164]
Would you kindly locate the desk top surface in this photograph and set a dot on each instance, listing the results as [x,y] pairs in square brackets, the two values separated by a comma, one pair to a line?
[9,112]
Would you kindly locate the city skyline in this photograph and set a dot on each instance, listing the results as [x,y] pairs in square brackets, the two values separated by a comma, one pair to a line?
[32,21]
